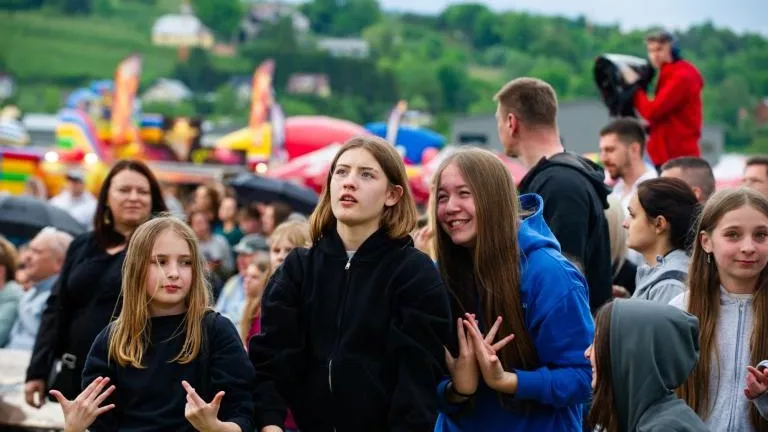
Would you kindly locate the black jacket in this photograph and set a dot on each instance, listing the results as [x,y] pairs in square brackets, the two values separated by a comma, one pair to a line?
[152,398]
[352,344]
[575,199]
[83,301]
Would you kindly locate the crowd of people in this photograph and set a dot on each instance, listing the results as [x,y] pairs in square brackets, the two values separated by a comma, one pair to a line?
[560,304]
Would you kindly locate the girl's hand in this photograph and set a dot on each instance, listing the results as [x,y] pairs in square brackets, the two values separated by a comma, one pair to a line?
[757,382]
[80,413]
[424,239]
[485,352]
[463,368]
[201,415]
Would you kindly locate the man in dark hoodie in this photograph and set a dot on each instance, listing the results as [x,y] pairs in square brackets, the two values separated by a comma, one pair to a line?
[573,188]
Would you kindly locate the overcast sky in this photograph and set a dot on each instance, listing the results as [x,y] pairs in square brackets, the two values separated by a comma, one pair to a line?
[738,15]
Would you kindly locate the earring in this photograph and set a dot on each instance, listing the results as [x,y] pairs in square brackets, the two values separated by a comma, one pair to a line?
[107,220]
[709,258]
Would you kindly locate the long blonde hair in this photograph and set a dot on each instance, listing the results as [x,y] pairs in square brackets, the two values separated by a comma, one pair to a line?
[252,308]
[618,235]
[129,334]
[704,303]
[489,274]
[397,220]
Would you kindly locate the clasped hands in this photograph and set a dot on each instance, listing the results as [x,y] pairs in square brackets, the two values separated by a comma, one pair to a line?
[478,356]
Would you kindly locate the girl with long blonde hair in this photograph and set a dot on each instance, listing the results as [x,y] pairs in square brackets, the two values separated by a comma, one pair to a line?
[170,360]
[507,276]
[728,293]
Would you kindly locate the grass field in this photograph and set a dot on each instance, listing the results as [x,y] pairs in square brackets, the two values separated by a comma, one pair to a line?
[43,46]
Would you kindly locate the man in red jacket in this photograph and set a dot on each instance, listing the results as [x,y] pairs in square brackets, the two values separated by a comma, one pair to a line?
[674,114]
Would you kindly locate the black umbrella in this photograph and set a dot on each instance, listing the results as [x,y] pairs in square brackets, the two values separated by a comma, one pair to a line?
[23,216]
[250,187]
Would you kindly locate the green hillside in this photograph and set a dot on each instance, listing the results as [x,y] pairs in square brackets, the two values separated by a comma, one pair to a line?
[448,64]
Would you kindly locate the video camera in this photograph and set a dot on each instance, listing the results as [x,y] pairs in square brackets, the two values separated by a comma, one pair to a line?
[614,90]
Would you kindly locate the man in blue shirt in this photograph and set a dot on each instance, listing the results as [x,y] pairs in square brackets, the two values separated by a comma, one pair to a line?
[232,298]
[42,264]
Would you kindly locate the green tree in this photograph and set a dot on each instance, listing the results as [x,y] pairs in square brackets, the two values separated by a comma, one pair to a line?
[384,38]
[554,71]
[341,17]
[222,16]
[226,103]
[13,5]
[281,34]
[198,72]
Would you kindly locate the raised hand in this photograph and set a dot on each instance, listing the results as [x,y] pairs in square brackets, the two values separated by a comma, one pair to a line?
[80,413]
[201,415]
[463,368]
[757,382]
[488,362]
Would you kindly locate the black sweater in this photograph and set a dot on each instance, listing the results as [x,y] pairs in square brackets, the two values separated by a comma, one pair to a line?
[575,199]
[152,399]
[352,344]
[81,304]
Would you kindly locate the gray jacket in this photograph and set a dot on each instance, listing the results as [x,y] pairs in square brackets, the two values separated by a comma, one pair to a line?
[729,407]
[644,385]
[654,282]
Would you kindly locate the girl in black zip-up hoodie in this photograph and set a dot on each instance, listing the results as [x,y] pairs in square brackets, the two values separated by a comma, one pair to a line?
[352,329]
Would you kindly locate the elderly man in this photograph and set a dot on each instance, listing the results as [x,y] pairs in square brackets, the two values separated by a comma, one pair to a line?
[232,299]
[43,264]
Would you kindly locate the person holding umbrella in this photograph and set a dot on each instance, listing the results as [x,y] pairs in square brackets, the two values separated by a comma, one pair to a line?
[87,293]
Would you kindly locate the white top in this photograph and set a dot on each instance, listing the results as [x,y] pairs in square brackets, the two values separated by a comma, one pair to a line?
[82,208]
[624,193]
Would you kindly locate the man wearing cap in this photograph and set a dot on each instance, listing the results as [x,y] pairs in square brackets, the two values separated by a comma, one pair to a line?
[232,299]
[76,201]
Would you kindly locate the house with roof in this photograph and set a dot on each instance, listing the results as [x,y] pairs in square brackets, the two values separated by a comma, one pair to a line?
[166,90]
[182,30]
[344,47]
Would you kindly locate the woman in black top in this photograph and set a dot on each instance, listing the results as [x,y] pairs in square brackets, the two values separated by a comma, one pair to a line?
[86,296]
[352,329]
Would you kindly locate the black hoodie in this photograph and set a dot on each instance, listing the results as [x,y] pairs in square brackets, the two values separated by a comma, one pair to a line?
[575,199]
[352,343]
[653,350]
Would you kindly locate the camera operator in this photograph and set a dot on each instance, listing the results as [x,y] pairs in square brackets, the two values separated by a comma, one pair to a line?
[674,113]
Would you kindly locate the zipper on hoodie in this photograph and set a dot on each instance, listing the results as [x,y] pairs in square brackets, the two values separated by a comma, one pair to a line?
[339,318]
[736,363]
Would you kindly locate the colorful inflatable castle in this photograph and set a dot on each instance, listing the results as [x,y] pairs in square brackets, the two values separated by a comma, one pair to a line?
[16,167]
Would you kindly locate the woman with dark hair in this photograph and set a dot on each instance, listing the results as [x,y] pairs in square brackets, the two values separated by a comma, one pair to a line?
[636,392]
[661,215]
[86,296]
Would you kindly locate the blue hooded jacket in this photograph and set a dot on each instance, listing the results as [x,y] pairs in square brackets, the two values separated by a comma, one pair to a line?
[558,320]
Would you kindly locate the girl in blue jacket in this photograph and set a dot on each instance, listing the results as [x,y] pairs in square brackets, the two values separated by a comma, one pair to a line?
[505,273]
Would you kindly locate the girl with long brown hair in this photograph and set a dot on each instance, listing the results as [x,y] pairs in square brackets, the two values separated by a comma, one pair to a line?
[173,364]
[728,293]
[353,328]
[254,280]
[507,276]
[636,392]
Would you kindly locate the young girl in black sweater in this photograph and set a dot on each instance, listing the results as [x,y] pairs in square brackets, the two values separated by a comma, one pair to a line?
[173,363]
